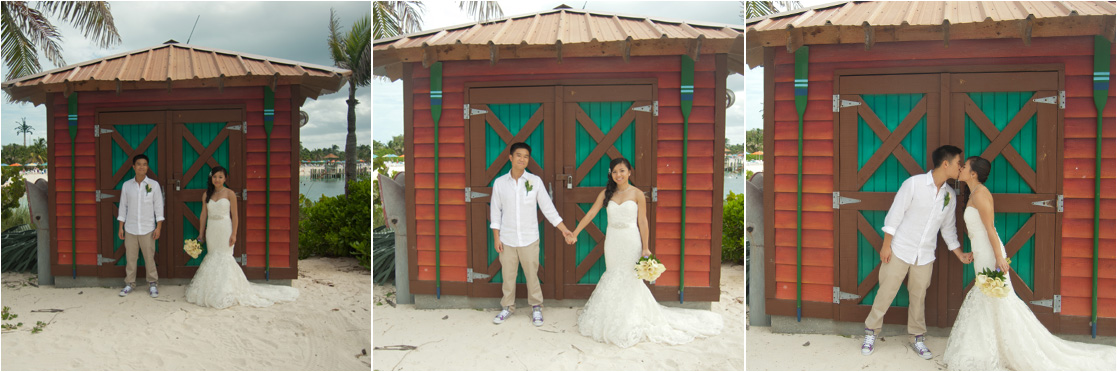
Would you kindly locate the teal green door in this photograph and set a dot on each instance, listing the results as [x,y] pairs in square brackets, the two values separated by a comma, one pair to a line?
[600,123]
[1011,120]
[888,125]
[120,137]
[500,117]
[203,140]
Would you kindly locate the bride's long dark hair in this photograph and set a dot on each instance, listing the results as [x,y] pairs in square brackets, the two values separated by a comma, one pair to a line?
[980,166]
[611,186]
[209,182]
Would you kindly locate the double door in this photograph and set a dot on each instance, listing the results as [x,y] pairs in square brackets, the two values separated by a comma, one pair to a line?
[574,132]
[182,147]
[888,127]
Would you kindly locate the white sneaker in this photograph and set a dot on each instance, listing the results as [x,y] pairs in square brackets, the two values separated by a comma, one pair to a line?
[504,314]
[127,289]
[920,348]
[154,291]
[537,315]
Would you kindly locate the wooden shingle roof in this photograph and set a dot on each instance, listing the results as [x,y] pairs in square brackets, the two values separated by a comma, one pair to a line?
[560,33]
[173,65]
[869,22]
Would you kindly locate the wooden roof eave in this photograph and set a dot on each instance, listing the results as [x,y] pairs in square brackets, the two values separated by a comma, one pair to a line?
[388,63]
[845,34]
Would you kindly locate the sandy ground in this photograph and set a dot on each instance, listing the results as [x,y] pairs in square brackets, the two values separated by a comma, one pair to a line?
[327,328]
[809,352]
[467,339]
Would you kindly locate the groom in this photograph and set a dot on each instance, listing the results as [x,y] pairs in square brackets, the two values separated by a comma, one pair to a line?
[512,207]
[141,218]
[923,206]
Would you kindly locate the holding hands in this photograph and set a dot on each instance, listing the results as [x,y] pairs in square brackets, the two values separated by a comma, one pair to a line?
[964,257]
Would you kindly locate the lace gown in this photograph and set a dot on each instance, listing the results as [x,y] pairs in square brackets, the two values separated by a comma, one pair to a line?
[621,310]
[1002,333]
[219,281]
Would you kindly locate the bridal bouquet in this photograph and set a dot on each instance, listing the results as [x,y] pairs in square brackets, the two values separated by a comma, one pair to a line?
[192,248]
[649,268]
[992,283]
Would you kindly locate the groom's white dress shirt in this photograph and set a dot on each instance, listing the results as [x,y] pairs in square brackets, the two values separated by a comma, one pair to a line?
[917,215]
[512,208]
[139,209]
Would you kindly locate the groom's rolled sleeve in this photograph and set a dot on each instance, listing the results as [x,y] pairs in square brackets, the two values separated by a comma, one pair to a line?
[494,207]
[122,210]
[949,227]
[157,203]
[899,205]
[547,207]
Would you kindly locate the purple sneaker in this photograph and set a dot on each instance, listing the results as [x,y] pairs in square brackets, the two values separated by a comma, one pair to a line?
[127,289]
[537,315]
[504,314]
[867,345]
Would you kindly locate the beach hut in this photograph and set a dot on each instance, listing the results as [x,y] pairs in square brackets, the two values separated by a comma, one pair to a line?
[188,108]
[856,97]
[581,88]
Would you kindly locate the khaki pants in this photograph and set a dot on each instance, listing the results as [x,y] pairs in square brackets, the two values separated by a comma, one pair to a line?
[510,260]
[891,276]
[145,243]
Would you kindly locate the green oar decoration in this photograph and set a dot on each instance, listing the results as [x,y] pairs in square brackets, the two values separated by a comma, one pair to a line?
[1101,95]
[686,102]
[269,119]
[73,118]
[800,107]
[436,113]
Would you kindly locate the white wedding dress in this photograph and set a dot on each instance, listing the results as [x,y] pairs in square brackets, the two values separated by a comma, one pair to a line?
[1002,333]
[219,281]
[621,310]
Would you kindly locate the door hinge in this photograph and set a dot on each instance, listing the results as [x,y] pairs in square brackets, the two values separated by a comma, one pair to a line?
[1048,100]
[655,194]
[469,112]
[103,260]
[1056,303]
[97,131]
[99,196]
[470,275]
[243,127]
[1062,99]
[242,260]
[840,103]
[1047,203]
[469,194]
[839,200]
[652,108]
[839,295]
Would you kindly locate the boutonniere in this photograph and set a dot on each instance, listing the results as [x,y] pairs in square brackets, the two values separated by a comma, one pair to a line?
[946,201]
[528,186]
[148,188]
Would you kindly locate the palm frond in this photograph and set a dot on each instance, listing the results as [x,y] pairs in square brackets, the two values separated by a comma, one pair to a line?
[482,10]
[20,55]
[93,18]
[37,29]
[384,24]
[409,15]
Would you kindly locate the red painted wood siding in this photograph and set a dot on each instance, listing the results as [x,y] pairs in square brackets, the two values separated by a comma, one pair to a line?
[1075,53]
[702,246]
[283,154]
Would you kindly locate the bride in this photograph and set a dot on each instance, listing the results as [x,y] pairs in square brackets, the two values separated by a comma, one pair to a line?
[219,281]
[621,310]
[1002,333]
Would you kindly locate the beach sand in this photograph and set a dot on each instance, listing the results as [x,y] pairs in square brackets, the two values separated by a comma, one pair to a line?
[327,328]
[769,351]
[467,339]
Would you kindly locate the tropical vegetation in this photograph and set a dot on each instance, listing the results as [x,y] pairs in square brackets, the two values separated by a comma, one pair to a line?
[27,30]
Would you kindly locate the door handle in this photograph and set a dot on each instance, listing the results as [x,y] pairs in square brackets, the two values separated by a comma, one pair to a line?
[569,181]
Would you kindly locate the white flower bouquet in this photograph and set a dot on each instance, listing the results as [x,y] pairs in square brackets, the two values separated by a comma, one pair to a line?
[192,248]
[649,268]
[992,283]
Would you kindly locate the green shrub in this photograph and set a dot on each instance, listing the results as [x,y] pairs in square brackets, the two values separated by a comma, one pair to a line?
[11,194]
[733,228]
[337,226]
[751,157]
[748,174]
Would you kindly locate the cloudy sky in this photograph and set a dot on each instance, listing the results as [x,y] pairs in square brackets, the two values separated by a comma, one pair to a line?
[388,102]
[288,30]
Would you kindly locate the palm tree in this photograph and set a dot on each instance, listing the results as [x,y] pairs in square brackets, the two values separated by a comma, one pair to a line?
[755,9]
[352,51]
[24,129]
[26,29]
[393,18]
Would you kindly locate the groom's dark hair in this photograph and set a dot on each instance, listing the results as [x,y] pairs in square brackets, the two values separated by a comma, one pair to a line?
[943,153]
[517,146]
[138,157]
